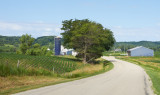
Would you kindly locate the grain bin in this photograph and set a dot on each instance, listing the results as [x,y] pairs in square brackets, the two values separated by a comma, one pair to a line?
[57,45]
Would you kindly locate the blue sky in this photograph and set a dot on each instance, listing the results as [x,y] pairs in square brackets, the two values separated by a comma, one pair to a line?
[130,20]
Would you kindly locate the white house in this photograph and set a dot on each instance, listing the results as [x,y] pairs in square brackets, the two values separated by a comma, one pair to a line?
[140,51]
[48,49]
[65,51]
[117,50]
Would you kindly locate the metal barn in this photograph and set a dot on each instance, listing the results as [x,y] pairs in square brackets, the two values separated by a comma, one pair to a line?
[140,51]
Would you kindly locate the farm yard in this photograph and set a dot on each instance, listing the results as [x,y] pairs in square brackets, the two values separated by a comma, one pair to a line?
[23,72]
[151,66]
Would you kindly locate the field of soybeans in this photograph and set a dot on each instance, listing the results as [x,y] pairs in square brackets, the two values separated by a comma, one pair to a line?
[14,64]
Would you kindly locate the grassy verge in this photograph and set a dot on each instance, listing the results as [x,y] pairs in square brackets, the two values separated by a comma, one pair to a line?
[151,66]
[90,69]
[112,53]
[13,84]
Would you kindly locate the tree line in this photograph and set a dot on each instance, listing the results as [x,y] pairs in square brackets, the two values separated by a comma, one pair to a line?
[48,41]
[11,43]
[124,46]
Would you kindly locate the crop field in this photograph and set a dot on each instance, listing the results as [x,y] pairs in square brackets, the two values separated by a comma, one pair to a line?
[14,64]
[151,66]
[23,72]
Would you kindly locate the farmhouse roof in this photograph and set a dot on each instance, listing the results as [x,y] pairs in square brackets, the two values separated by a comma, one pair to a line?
[138,48]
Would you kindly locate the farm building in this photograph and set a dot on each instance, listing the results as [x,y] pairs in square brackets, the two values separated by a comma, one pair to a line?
[140,51]
[117,50]
[65,51]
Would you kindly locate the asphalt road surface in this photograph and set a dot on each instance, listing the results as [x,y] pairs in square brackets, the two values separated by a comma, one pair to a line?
[124,79]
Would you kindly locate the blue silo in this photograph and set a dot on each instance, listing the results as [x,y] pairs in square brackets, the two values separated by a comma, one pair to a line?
[57,45]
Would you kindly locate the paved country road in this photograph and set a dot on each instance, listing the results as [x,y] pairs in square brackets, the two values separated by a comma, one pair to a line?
[125,79]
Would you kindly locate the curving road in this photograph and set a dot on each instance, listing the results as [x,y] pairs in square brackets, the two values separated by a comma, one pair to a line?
[125,79]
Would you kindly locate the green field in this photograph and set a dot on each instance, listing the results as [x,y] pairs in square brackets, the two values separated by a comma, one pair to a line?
[14,64]
[151,66]
[23,72]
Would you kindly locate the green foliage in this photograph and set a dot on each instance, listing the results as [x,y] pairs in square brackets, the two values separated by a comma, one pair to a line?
[49,53]
[36,45]
[15,41]
[51,46]
[86,37]
[157,53]
[26,43]
[7,70]
[37,51]
[43,50]
[45,40]
[111,53]
[27,47]
[12,40]
[7,48]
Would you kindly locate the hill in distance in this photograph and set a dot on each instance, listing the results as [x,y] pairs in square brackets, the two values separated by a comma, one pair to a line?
[14,40]
[155,45]
[45,40]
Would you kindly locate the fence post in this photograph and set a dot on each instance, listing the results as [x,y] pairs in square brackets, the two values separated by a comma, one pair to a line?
[53,70]
[7,62]
[18,63]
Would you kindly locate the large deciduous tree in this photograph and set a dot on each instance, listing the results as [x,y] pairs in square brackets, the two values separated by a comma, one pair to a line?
[27,47]
[26,43]
[88,38]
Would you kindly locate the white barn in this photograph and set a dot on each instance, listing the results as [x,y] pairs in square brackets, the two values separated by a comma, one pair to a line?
[117,50]
[140,51]
[65,51]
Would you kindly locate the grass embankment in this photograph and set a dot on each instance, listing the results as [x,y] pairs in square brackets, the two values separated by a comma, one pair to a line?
[151,66]
[90,69]
[112,53]
[39,74]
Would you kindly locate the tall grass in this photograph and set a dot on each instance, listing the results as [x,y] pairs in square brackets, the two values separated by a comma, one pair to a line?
[157,54]
[7,70]
[90,69]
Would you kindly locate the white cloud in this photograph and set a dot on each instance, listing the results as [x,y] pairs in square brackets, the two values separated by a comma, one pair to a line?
[10,26]
[58,30]
[158,24]
[35,29]
[48,29]
[117,27]
[136,34]
[38,29]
